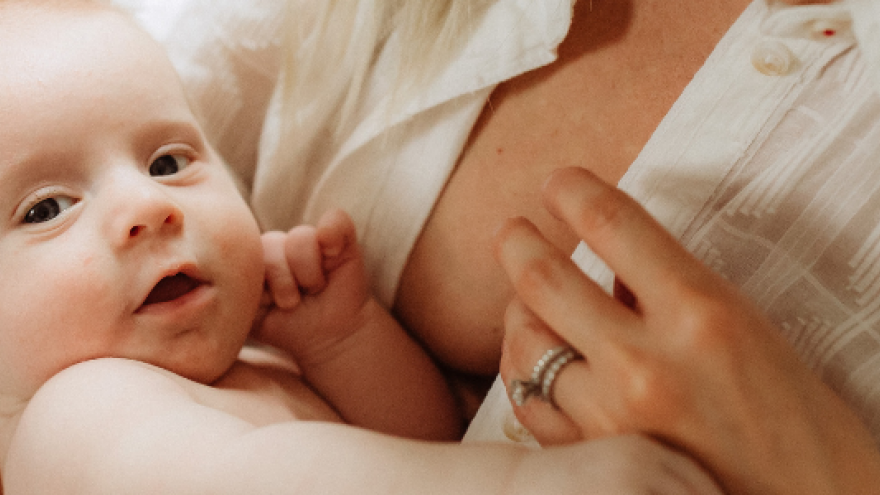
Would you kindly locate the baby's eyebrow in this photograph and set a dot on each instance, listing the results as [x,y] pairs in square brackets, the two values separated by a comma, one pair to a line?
[23,171]
[15,174]
[14,163]
[39,165]
[171,129]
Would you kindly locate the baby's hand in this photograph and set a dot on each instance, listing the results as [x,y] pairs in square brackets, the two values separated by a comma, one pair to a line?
[295,260]
[316,286]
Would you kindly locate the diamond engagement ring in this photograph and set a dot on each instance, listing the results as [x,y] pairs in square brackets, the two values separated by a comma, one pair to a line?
[544,374]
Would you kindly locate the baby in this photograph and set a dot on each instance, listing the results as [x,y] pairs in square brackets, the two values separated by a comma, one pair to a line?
[133,273]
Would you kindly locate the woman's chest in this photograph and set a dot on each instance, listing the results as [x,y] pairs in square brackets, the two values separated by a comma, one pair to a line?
[618,73]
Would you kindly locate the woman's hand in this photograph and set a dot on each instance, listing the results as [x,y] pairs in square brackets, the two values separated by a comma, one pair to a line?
[676,353]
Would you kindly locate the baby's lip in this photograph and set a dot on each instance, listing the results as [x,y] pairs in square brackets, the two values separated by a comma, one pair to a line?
[173,285]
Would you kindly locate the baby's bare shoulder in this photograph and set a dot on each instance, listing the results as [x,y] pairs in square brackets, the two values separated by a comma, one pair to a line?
[111,424]
[97,392]
[86,388]
[81,411]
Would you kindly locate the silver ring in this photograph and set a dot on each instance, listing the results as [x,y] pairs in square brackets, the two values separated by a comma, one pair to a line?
[522,390]
[561,361]
[545,361]
[543,376]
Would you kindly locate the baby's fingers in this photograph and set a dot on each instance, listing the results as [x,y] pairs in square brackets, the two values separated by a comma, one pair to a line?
[305,259]
[279,279]
[337,238]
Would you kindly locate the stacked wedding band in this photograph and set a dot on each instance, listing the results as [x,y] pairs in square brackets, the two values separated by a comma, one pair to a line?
[544,375]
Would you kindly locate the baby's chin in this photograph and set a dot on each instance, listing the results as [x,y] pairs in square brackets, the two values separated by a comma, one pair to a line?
[205,366]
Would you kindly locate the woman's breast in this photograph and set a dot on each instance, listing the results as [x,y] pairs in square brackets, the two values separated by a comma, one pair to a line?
[619,71]
[453,294]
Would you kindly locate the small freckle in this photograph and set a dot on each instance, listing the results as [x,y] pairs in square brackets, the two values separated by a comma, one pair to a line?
[499,150]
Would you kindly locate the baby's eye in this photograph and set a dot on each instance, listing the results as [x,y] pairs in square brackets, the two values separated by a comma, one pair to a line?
[47,209]
[168,165]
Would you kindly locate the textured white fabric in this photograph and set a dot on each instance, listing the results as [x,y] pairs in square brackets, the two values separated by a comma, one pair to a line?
[771,179]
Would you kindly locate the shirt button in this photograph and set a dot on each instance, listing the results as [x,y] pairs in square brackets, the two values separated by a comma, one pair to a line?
[514,430]
[773,58]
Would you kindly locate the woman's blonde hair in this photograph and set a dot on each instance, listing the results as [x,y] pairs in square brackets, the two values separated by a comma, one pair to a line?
[330,50]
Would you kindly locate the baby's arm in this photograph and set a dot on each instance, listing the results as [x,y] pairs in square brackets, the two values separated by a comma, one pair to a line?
[350,349]
[115,426]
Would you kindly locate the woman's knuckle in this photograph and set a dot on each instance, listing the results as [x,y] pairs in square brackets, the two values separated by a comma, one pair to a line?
[649,390]
[645,390]
[703,319]
[536,276]
[709,326]
[604,212]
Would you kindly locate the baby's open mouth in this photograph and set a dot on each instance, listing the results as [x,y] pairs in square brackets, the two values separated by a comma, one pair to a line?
[171,288]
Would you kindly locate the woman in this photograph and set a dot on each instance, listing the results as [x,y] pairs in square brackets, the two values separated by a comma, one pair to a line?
[694,108]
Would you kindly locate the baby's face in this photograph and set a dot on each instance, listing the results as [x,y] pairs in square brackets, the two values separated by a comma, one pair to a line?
[121,233]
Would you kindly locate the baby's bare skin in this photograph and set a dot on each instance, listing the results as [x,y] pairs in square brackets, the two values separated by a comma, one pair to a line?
[122,413]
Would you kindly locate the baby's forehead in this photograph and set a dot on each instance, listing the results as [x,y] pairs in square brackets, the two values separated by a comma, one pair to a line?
[18,11]
[78,36]
[48,19]
[73,68]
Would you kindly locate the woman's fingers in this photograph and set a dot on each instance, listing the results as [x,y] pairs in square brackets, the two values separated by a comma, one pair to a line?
[552,286]
[548,425]
[580,401]
[643,255]
[556,295]
[678,354]
[526,340]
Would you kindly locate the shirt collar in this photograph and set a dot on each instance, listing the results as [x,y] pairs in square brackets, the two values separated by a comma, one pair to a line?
[850,22]
[513,37]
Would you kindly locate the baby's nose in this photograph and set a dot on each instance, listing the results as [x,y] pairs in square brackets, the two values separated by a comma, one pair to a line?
[142,210]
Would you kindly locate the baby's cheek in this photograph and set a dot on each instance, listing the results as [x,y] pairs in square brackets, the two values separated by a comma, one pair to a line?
[56,322]
[243,249]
